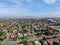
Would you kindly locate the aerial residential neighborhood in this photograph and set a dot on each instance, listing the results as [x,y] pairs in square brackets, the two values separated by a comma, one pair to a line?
[29,22]
[29,32]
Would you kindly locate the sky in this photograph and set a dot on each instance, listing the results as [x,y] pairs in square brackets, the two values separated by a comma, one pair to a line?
[36,8]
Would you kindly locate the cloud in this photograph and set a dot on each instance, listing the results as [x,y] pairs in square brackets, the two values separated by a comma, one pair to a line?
[20,9]
[52,14]
[2,5]
[50,1]
[58,8]
[15,9]
[29,0]
[17,2]
[14,1]
[17,12]
[14,12]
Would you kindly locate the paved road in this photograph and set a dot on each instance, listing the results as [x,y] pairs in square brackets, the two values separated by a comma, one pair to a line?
[6,40]
[42,37]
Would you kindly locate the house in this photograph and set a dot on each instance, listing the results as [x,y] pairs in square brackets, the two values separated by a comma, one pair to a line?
[44,42]
[56,28]
[25,34]
[20,35]
[30,43]
[20,43]
[56,40]
[15,31]
[37,43]
[29,33]
[13,36]
[5,31]
[50,41]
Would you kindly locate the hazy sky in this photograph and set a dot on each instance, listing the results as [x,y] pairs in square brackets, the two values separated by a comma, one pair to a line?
[36,8]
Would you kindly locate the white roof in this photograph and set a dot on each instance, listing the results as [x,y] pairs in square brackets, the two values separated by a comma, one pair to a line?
[21,44]
[36,42]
